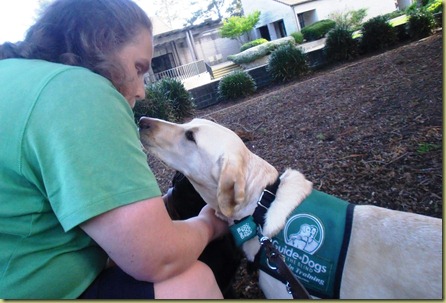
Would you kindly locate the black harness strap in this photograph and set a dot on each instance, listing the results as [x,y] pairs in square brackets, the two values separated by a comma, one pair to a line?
[267,197]
[294,286]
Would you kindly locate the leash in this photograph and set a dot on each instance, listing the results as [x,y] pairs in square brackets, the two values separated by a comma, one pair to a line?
[274,257]
[249,227]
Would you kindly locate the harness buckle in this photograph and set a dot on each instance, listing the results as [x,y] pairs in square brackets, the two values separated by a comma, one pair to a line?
[288,288]
[259,202]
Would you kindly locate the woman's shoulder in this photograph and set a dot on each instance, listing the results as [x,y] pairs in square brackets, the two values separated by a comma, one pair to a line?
[45,69]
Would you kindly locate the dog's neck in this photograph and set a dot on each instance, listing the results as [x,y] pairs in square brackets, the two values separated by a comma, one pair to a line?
[260,174]
[293,189]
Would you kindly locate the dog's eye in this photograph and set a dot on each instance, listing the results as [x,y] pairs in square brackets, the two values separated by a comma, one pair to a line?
[190,136]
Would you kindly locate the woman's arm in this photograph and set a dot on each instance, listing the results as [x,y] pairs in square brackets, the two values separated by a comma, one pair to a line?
[143,240]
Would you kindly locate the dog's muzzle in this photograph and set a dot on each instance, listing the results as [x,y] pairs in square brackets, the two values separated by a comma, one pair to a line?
[144,123]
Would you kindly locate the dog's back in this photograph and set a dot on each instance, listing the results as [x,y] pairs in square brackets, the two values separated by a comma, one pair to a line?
[393,254]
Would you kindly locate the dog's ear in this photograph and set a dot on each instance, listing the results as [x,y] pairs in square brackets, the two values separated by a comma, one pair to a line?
[231,184]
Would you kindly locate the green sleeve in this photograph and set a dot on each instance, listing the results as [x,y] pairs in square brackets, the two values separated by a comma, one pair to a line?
[82,148]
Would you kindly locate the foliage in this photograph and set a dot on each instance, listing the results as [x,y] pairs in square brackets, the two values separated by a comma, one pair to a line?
[377,34]
[350,20]
[252,44]
[298,37]
[235,85]
[287,63]
[214,8]
[235,9]
[421,23]
[166,99]
[259,51]
[434,6]
[179,98]
[235,27]
[168,11]
[340,44]
[425,147]
[154,105]
[394,14]
[317,30]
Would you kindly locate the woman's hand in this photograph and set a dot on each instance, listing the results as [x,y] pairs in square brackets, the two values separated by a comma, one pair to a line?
[220,227]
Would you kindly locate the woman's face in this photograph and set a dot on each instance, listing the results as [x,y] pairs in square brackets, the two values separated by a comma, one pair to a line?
[135,58]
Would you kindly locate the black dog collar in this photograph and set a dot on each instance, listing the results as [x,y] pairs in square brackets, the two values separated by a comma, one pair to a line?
[267,197]
[246,228]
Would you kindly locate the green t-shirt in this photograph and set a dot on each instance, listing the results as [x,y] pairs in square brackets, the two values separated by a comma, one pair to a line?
[70,150]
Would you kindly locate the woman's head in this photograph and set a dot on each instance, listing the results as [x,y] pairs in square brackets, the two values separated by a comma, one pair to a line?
[88,33]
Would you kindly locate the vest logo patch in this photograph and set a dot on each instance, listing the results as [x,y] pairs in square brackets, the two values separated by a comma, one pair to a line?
[309,236]
[311,243]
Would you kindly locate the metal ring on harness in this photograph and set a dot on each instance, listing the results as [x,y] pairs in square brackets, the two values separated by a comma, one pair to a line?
[269,264]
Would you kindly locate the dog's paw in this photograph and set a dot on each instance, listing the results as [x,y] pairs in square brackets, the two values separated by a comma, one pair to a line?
[293,189]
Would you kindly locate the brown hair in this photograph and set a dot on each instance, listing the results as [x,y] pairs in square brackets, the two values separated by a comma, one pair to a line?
[85,33]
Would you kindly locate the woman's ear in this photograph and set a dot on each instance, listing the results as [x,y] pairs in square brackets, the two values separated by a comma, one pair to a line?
[231,184]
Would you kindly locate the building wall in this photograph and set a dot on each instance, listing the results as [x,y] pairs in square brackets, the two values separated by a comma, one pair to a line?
[203,43]
[272,11]
[214,49]
[374,7]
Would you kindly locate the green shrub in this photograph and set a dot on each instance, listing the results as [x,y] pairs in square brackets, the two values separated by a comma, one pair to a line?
[179,98]
[421,24]
[413,7]
[394,14]
[287,63]
[252,44]
[350,19]
[166,99]
[154,105]
[298,37]
[377,34]
[259,51]
[235,85]
[340,44]
[317,30]
[434,6]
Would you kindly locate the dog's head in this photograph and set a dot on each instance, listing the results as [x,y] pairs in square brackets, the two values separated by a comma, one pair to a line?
[211,156]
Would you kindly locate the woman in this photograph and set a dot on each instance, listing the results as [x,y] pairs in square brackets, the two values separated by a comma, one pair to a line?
[76,189]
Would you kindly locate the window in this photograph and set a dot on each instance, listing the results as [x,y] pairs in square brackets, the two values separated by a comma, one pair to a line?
[264,33]
[279,26]
[162,63]
[301,19]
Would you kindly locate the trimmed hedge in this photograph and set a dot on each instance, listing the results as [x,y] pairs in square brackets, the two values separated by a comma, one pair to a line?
[287,63]
[165,99]
[252,44]
[298,37]
[340,44]
[377,34]
[259,51]
[421,24]
[235,85]
[317,30]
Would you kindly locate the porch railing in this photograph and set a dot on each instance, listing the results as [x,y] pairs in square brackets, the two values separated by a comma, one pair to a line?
[182,72]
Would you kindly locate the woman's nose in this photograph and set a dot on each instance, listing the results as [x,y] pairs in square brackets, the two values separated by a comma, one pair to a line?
[141,91]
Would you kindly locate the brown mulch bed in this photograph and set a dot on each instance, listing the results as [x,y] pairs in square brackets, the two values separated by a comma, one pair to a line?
[368,131]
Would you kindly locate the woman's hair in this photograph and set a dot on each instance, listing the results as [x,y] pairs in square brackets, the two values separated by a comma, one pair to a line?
[85,33]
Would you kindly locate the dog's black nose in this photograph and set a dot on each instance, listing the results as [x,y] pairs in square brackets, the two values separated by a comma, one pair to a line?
[144,123]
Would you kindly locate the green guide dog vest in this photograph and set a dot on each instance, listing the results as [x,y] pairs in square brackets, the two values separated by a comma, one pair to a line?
[314,243]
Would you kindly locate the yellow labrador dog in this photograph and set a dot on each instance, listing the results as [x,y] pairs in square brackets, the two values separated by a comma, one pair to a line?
[390,254]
